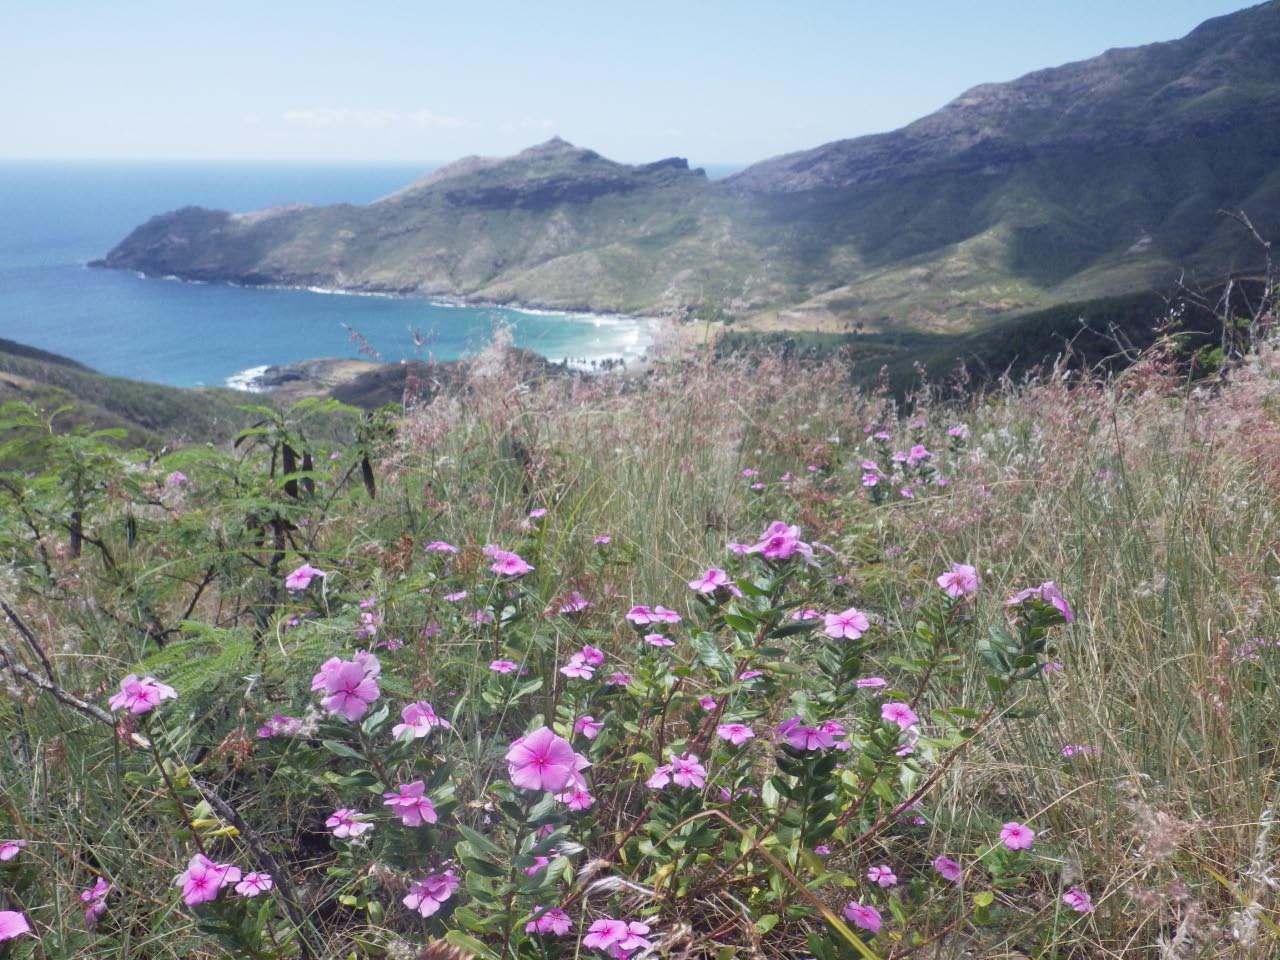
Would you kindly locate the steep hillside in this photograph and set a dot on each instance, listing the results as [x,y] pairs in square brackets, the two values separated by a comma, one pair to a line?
[1092,179]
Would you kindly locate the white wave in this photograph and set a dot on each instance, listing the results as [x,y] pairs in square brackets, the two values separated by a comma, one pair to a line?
[247,379]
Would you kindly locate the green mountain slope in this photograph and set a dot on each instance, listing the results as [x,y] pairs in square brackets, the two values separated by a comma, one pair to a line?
[1083,181]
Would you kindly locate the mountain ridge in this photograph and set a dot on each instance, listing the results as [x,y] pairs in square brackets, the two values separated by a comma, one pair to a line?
[1090,179]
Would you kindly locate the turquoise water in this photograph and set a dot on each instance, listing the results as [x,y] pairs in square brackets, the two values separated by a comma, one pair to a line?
[54,218]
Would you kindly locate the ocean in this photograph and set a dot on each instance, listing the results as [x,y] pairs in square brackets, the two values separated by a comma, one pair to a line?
[56,217]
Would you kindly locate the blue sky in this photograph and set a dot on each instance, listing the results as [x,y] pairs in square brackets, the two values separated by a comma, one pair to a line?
[405,81]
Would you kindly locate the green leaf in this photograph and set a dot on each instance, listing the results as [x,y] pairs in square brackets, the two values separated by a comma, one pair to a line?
[767,922]
[983,899]
[467,942]
[341,750]
[479,843]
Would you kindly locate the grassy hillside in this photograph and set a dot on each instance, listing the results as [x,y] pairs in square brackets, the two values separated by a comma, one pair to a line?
[858,736]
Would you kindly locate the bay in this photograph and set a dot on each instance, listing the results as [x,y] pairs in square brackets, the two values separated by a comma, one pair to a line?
[56,217]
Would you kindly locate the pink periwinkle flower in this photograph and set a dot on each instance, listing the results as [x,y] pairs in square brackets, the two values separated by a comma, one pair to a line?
[960,431]
[918,455]
[11,848]
[781,541]
[410,803]
[440,546]
[350,686]
[603,540]
[301,578]
[542,760]
[575,602]
[948,869]
[507,563]
[707,703]
[900,713]
[1070,750]
[735,733]
[619,937]
[456,596]
[870,682]
[588,726]
[578,668]
[961,580]
[176,479]
[1017,836]
[870,479]
[658,640]
[553,921]
[1048,593]
[1078,900]
[592,655]
[280,726]
[95,900]
[420,718]
[849,625]
[12,924]
[503,666]
[619,679]
[140,696]
[1052,667]
[254,883]
[426,896]
[203,878]
[863,916]
[882,875]
[711,580]
[347,823]
[576,799]
[802,736]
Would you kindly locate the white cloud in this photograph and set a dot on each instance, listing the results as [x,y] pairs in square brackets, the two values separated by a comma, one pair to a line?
[341,117]
[425,118]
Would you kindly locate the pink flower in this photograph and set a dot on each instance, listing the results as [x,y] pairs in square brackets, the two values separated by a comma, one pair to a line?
[537,513]
[907,493]
[865,682]
[710,581]
[663,615]
[539,863]
[900,713]
[11,848]
[95,899]
[420,718]
[686,771]
[748,472]
[575,603]
[948,869]
[503,666]
[554,921]
[1053,667]
[456,596]
[426,895]
[850,625]
[959,431]
[658,640]
[1070,750]
[140,696]
[961,580]
[592,655]
[578,667]
[350,685]
[1017,836]
[542,761]
[619,679]
[588,726]
[576,799]
[176,479]
[883,875]
[707,703]
[619,937]
[640,615]
[301,578]
[781,542]
[1048,593]
[801,736]
[738,549]
[12,924]
[203,878]
[439,546]
[409,802]
[507,563]
[346,822]
[863,916]
[603,540]
[1078,900]
[918,455]
[280,726]
[735,733]
[254,883]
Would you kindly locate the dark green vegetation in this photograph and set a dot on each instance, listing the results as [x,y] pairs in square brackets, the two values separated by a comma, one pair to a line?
[1090,180]
[151,415]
